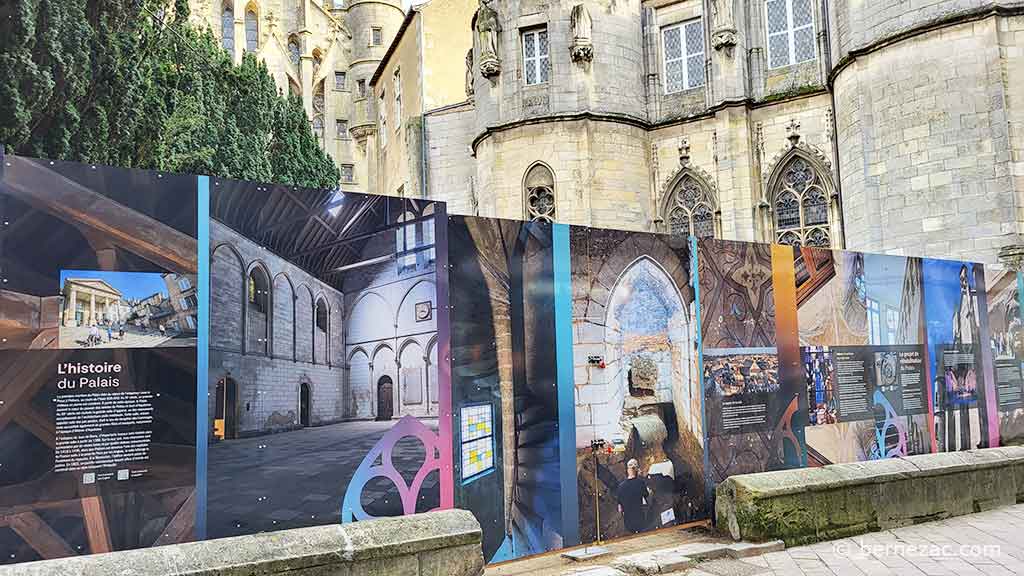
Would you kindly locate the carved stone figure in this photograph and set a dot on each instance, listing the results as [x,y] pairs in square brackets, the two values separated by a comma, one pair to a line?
[469,73]
[488,26]
[582,47]
[723,32]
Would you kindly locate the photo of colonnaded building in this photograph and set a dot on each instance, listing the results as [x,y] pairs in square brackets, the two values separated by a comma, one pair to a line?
[322,335]
[92,302]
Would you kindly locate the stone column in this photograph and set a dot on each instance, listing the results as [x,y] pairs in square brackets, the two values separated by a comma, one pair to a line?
[92,308]
[399,386]
[426,380]
[69,313]
[239,8]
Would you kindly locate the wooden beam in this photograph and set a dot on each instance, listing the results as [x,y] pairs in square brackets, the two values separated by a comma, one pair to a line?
[20,380]
[29,418]
[306,214]
[71,508]
[45,189]
[363,236]
[39,535]
[96,528]
[179,529]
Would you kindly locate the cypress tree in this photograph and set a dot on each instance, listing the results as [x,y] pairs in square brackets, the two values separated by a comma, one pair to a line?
[132,83]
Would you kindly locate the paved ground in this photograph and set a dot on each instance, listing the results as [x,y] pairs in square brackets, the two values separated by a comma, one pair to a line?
[298,478]
[76,337]
[553,564]
[987,543]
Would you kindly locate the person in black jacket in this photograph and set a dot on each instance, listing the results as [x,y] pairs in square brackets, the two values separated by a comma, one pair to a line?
[632,495]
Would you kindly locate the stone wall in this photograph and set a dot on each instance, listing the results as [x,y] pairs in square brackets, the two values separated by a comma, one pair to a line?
[269,381]
[597,166]
[926,159]
[450,166]
[384,337]
[813,504]
[433,544]
[857,25]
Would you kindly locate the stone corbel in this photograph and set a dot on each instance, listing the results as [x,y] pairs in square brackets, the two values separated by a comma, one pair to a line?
[724,39]
[582,48]
[723,33]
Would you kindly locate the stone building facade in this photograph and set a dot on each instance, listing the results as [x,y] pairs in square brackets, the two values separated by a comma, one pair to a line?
[88,301]
[892,126]
[181,296]
[322,51]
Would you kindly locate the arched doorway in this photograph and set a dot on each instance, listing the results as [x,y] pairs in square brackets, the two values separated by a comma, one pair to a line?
[225,425]
[385,398]
[304,400]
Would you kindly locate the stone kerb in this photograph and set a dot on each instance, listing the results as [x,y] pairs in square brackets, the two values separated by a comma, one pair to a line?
[437,543]
[808,505]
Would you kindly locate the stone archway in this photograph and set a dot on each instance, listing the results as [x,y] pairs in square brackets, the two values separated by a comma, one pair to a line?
[385,398]
[305,404]
[646,317]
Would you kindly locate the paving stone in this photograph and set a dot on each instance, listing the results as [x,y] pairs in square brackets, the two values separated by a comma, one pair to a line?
[748,549]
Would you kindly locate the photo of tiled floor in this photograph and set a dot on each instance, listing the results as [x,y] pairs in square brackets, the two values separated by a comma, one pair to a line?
[298,478]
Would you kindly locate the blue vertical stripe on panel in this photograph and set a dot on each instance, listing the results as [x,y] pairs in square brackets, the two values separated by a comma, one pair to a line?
[202,353]
[566,384]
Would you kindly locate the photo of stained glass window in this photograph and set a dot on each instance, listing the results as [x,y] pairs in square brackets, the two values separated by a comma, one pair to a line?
[477,441]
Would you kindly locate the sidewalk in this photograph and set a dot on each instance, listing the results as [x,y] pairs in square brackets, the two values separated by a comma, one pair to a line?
[986,543]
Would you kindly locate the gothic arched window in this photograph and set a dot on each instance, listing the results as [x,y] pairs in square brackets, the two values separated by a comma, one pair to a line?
[691,209]
[540,193]
[318,60]
[801,205]
[318,112]
[227,28]
[294,51]
[252,38]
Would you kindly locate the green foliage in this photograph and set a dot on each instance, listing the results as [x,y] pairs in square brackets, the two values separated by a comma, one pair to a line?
[131,83]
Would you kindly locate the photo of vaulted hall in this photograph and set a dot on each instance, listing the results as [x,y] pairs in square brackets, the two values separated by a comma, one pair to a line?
[323,336]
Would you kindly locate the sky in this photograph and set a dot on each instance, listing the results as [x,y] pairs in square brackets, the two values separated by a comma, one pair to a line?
[132,285]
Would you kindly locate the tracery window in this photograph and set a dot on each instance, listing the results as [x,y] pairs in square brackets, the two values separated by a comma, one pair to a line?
[318,112]
[691,211]
[540,193]
[252,38]
[414,240]
[801,206]
[227,28]
[294,52]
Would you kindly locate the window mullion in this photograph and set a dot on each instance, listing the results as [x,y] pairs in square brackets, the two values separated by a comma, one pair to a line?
[792,31]
[683,62]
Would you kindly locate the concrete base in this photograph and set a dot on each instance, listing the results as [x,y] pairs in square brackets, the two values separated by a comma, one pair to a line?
[431,544]
[588,553]
[814,504]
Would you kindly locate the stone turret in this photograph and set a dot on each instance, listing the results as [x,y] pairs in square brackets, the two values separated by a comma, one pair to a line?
[560,81]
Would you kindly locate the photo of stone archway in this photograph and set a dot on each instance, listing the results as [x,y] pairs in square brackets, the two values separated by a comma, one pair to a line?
[639,437]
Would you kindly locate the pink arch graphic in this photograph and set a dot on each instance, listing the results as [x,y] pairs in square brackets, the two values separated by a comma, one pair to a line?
[434,447]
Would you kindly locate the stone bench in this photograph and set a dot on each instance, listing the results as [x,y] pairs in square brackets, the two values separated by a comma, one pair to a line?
[813,504]
[436,544]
